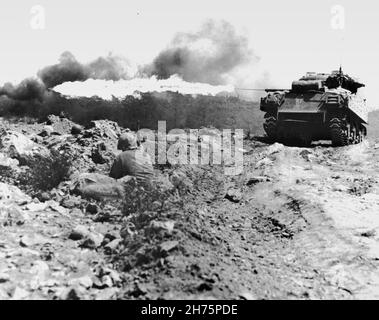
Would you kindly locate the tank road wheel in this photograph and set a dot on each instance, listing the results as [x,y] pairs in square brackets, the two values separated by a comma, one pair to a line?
[270,126]
[354,135]
[339,132]
[339,137]
[361,133]
[350,134]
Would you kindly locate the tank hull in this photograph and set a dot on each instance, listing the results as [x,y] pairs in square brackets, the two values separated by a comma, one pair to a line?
[300,118]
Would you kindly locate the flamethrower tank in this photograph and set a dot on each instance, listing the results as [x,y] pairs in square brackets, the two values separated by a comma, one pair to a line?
[318,106]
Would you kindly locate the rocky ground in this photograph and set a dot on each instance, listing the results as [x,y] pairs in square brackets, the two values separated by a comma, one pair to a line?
[299,223]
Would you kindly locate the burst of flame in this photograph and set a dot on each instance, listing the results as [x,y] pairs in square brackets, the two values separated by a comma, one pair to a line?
[107,89]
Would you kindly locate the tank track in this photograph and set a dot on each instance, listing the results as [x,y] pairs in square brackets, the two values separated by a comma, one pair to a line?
[338,132]
[344,133]
[270,126]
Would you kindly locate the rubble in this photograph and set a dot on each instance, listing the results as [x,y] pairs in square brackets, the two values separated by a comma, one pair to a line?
[111,246]
[47,131]
[76,129]
[104,128]
[30,240]
[4,277]
[92,208]
[20,147]
[78,233]
[92,240]
[166,247]
[84,281]
[160,227]
[40,206]
[8,162]
[12,215]
[242,237]
[234,195]
[20,294]
[275,148]
[71,202]
[12,194]
[252,180]
[247,296]
[61,125]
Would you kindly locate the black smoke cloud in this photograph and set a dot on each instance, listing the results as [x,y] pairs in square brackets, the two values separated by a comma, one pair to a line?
[208,55]
[69,69]
[28,89]
[109,68]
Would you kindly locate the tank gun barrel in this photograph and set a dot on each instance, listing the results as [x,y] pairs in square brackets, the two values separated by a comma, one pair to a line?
[273,90]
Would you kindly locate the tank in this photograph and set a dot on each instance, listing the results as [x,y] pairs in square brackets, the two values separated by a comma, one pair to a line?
[318,106]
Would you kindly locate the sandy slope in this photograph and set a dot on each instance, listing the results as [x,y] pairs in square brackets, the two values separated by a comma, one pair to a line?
[336,192]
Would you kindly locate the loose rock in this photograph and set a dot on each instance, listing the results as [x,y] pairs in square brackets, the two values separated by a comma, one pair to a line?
[160,227]
[78,233]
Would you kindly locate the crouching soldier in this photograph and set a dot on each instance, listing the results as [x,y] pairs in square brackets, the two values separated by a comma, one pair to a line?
[132,161]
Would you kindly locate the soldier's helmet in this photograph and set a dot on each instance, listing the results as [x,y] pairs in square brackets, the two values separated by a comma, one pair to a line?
[127,141]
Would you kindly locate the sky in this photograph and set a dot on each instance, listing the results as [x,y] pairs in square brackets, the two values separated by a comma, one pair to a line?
[289,37]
